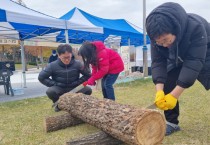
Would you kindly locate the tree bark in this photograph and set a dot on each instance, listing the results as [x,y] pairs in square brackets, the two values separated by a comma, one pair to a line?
[54,123]
[99,138]
[62,121]
[126,123]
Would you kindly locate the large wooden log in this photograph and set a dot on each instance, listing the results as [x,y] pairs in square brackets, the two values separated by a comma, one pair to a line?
[61,121]
[99,138]
[126,123]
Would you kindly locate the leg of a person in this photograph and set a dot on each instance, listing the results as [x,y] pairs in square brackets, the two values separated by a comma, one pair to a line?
[172,115]
[54,93]
[109,81]
[86,90]
[103,87]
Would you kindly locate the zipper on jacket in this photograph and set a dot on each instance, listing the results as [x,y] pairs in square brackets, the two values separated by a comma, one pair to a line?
[67,76]
[178,58]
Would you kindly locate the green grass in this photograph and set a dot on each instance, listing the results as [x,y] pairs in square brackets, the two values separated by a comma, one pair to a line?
[19,66]
[21,122]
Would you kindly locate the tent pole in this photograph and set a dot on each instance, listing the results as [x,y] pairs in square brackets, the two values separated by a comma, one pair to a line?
[129,45]
[145,63]
[67,36]
[23,63]
[66,33]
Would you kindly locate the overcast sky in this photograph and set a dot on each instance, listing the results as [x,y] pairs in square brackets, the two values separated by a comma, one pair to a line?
[131,10]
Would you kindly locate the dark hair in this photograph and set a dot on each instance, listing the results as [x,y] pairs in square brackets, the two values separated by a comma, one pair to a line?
[62,48]
[88,53]
[159,24]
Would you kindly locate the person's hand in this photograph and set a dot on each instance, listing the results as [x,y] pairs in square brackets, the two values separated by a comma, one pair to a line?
[162,105]
[91,82]
[159,96]
[170,101]
[160,101]
[85,83]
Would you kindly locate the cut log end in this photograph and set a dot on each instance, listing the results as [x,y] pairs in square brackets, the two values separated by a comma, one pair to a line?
[151,129]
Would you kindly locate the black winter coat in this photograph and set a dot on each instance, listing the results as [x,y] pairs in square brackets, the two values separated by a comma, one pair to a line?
[64,76]
[53,58]
[190,51]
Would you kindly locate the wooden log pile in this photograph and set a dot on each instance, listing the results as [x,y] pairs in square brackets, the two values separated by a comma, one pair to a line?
[54,123]
[62,121]
[123,122]
[98,138]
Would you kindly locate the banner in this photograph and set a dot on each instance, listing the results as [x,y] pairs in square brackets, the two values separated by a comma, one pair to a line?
[8,42]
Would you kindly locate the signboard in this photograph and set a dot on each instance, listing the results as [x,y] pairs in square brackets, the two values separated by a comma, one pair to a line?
[124,51]
[30,43]
[8,42]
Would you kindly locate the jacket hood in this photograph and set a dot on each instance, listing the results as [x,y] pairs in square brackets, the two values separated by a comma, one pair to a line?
[99,45]
[177,15]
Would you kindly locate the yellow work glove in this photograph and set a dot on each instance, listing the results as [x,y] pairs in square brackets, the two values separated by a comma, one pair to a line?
[160,101]
[159,95]
[170,101]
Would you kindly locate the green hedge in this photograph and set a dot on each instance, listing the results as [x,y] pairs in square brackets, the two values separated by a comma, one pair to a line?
[29,63]
[32,63]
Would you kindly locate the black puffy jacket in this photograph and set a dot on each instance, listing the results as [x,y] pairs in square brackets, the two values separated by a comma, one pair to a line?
[191,50]
[64,76]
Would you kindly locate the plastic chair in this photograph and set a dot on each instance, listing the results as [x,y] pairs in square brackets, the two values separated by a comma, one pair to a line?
[5,80]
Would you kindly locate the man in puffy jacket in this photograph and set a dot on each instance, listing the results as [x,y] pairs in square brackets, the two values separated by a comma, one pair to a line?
[63,75]
[180,49]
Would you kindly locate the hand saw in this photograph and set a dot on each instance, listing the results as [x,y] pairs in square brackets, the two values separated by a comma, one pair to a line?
[153,106]
[75,90]
[78,88]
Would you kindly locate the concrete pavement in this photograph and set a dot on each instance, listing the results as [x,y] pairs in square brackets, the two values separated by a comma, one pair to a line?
[33,87]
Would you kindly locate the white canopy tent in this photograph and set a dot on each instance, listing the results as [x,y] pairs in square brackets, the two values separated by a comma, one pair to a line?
[21,17]
[19,22]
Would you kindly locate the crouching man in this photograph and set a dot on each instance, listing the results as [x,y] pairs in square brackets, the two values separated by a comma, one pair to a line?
[63,75]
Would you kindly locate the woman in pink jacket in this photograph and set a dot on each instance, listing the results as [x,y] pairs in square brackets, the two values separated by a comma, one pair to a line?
[106,64]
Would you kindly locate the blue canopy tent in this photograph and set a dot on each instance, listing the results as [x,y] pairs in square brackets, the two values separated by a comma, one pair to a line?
[118,27]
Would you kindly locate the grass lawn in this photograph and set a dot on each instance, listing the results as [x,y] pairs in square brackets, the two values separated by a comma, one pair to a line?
[21,122]
[19,66]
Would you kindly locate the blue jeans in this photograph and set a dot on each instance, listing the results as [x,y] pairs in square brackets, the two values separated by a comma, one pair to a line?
[107,85]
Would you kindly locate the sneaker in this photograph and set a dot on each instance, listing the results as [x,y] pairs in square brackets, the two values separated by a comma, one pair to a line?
[171,128]
[56,109]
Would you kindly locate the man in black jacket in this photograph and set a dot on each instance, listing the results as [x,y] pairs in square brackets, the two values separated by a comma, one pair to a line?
[180,49]
[63,75]
[53,57]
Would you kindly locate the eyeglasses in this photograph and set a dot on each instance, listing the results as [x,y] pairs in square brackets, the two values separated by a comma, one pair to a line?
[66,58]
[165,40]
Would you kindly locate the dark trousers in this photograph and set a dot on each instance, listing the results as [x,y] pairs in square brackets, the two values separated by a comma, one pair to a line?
[107,86]
[55,92]
[172,115]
